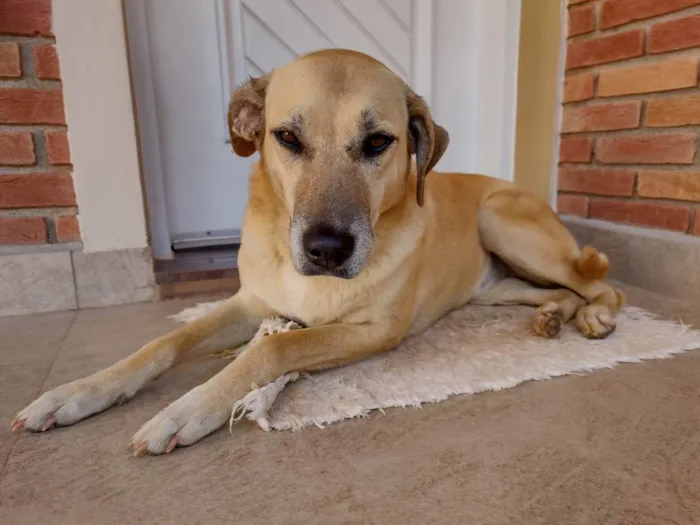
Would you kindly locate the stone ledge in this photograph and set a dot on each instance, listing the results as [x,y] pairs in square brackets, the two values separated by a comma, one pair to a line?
[113,277]
[43,282]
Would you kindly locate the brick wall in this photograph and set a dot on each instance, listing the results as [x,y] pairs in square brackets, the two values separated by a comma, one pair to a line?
[631,116]
[37,198]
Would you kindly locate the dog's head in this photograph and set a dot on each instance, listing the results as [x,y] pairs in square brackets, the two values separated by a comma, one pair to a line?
[335,130]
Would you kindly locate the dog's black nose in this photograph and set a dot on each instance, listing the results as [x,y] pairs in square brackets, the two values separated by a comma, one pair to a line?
[327,247]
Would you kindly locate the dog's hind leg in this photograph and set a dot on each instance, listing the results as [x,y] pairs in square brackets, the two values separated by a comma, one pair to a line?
[527,236]
[556,306]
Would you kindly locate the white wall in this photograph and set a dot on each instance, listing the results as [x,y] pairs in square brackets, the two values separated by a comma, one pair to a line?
[474,92]
[92,52]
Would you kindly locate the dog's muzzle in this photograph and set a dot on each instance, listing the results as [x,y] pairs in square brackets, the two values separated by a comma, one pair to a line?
[334,248]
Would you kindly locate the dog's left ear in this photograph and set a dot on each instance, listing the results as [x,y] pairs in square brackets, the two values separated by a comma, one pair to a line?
[246,116]
[428,140]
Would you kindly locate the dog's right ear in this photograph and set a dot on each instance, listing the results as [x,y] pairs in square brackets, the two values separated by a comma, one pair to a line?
[246,116]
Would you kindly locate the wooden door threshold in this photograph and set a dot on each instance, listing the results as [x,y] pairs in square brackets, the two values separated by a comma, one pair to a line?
[200,271]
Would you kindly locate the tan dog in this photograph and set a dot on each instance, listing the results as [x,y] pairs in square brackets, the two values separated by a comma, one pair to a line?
[342,234]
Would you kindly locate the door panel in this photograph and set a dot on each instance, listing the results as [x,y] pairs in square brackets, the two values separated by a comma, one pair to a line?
[205,184]
[343,29]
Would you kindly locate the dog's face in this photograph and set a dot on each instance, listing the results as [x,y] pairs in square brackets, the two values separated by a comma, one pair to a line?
[336,130]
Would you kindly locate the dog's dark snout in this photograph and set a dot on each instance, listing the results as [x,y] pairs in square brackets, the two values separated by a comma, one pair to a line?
[327,247]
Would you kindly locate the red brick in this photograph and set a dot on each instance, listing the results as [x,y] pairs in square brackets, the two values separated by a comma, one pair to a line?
[671,148]
[67,228]
[46,62]
[578,87]
[16,148]
[601,117]
[605,49]
[25,17]
[36,190]
[22,230]
[572,205]
[31,106]
[598,181]
[575,149]
[10,63]
[696,228]
[666,216]
[677,185]
[647,78]
[615,13]
[57,147]
[674,34]
[581,20]
[673,111]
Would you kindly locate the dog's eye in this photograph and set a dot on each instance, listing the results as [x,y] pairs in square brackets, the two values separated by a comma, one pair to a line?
[288,139]
[376,143]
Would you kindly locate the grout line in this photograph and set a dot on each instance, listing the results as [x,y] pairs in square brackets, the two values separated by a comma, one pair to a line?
[25,39]
[33,127]
[596,99]
[56,211]
[41,389]
[75,279]
[691,222]
[37,168]
[637,60]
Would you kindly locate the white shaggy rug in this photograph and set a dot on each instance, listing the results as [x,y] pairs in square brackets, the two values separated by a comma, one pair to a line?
[471,350]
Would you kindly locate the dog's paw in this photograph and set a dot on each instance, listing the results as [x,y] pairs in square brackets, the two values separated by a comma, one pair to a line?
[548,321]
[595,321]
[183,423]
[64,405]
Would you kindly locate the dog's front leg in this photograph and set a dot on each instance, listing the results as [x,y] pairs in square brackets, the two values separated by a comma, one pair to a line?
[208,406]
[71,402]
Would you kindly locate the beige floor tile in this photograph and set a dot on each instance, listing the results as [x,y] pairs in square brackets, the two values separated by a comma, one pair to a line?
[28,348]
[615,447]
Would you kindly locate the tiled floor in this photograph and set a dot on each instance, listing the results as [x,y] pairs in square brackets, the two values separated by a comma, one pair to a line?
[618,446]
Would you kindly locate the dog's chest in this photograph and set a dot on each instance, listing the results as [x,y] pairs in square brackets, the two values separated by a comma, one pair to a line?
[311,300]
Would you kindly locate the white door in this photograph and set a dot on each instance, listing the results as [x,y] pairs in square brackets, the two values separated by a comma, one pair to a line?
[201,50]
[188,55]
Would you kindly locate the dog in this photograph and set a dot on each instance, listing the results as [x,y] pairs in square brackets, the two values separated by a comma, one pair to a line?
[343,234]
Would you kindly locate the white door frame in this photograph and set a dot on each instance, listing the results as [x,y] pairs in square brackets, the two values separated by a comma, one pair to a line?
[147,119]
[465,53]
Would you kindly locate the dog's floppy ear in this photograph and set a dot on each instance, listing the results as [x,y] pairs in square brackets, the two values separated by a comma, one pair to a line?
[246,116]
[428,140]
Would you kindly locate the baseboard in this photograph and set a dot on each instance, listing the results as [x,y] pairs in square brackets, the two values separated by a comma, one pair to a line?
[36,282]
[44,282]
[114,277]
[659,261]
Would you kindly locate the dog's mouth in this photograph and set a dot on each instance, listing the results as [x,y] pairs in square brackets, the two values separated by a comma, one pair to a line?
[311,271]
[330,248]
